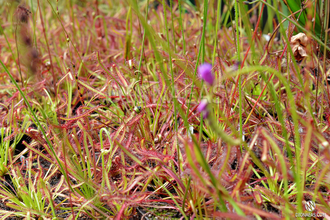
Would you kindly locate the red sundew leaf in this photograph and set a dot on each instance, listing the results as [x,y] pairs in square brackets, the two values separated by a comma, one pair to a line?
[134,183]
[170,173]
[64,100]
[259,180]
[36,87]
[86,113]
[257,196]
[228,215]
[162,200]
[272,196]
[129,140]
[120,75]
[252,210]
[151,154]
[134,120]
[44,72]
[156,105]
[120,213]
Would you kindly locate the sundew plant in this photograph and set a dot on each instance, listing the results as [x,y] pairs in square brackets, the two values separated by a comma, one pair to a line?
[164,109]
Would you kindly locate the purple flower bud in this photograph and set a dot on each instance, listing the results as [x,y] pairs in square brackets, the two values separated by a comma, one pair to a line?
[203,108]
[205,73]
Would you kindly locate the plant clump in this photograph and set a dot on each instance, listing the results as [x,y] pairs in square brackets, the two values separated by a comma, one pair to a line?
[158,110]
